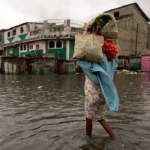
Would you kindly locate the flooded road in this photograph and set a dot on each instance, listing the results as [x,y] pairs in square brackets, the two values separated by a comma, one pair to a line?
[47,113]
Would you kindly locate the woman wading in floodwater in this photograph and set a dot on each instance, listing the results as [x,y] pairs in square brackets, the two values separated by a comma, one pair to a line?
[100,91]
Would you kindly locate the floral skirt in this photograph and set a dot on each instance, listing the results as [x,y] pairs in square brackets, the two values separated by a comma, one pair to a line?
[94,101]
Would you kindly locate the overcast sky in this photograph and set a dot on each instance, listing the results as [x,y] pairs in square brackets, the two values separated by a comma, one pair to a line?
[14,12]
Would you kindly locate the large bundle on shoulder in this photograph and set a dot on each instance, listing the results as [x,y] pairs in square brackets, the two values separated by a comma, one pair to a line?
[100,35]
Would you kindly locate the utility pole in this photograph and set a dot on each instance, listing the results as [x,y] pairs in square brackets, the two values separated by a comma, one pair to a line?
[136,42]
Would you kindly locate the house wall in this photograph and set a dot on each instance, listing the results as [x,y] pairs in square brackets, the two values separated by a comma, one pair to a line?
[125,36]
[34,51]
[28,66]
[123,11]
[59,51]
[134,63]
[140,18]
[72,44]
[13,51]
[1,40]
[16,37]
[0,64]
[16,50]
[148,37]
[142,30]
[132,38]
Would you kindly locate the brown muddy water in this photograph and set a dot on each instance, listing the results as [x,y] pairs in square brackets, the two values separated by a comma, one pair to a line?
[47,113]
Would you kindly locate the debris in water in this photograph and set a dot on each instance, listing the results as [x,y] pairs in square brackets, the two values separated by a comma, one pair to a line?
[39,87]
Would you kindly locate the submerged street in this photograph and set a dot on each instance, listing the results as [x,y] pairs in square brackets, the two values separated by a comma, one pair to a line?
[47,113]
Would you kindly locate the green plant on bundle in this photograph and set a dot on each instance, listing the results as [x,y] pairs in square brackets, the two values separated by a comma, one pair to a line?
[100,21]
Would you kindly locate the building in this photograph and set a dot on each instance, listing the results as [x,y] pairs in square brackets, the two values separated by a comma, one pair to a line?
[148,37]
[1,41]
[133,29]
[145,61]
[51,39]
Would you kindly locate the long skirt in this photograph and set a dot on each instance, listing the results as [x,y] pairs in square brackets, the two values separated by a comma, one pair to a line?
[94,101]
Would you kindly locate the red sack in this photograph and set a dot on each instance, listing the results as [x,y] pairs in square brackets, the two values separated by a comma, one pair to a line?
[110,49]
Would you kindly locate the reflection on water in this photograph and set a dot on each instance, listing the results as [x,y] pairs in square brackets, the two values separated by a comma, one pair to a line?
[47,113]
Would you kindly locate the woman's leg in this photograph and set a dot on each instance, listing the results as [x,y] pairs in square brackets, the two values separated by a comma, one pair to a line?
[107,128]
[88,126]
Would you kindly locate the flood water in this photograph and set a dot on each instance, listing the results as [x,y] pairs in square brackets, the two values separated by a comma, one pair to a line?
[47,113]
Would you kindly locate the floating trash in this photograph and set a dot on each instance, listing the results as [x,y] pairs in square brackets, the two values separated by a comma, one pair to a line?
[124,71]
[39,87]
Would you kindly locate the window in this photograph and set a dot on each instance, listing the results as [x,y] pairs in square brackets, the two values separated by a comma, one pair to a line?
[116,14]
[59,44]
[37,46]
[24,47]
[31,46]
[21,47]
[21,30]
[51,44]
[10,50]
[14,32]
[36,27]
[8,34]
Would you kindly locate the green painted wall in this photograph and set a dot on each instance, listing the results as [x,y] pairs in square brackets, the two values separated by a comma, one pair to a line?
[22,36]
[69,68]
[14,53]
[10,39]
[61,51]
[134,66]
[34,52]
[72,42]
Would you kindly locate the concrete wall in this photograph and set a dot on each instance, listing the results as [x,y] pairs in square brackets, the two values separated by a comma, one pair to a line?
[1,40]
[60,51]
[123,11]
[28,66]
[0,64]
[41,44]
[148,37]
[16,37]
[140,19]
[26,27]
[134,63]
[132,38]
[145,63]
[16,50]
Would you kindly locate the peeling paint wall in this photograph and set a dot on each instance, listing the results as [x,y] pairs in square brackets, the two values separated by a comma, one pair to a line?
[35,66]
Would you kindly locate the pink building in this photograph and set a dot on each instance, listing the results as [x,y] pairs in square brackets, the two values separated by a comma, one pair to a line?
[145,63]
